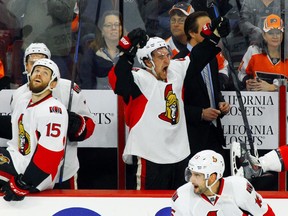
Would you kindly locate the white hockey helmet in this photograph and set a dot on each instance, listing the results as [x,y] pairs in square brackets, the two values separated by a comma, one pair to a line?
[152,44]
[206,162]
[49,64]
[36,48]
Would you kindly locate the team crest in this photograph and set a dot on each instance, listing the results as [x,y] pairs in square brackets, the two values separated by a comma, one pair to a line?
[24,146]
[172,106]
[4,159]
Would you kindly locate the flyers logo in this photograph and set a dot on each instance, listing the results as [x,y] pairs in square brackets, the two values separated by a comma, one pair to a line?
[171,113]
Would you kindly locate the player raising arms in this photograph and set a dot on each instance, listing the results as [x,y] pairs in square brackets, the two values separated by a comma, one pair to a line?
[157,140]
[208,193]
[39,127]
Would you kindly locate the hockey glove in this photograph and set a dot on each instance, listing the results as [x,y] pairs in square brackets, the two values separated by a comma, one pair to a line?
[129,44]
[16,189]
[216,29]
[76,126]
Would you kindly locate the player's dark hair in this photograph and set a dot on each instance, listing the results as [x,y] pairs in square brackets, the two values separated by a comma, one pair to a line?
[191,24]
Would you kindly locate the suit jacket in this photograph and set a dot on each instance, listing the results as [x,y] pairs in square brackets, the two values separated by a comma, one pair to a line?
[196,98]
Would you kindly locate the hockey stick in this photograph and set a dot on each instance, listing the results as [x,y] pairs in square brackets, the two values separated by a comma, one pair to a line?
[73,78]
[237,149]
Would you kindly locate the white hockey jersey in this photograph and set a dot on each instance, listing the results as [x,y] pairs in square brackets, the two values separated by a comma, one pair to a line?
[161,108]
[38,139]
[237,197]
[79,106]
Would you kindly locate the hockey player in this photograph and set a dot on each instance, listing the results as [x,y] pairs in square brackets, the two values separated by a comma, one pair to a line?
[157,138]
[39,128]
[208,193]
[81,124]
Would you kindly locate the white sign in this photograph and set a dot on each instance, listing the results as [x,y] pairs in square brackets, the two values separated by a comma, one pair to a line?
[262,114]
[104,206]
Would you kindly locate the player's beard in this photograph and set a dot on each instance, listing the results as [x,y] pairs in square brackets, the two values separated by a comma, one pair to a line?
[36,89]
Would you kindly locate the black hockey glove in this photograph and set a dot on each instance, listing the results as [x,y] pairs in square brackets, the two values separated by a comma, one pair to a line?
[219,27]
[224,27]
[129,44]
[76,126]
[16,189]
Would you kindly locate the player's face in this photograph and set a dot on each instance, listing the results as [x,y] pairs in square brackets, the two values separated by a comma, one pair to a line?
[161,59]
[201,22]
[177,25]
[40,79]
[199,182]
[31,59]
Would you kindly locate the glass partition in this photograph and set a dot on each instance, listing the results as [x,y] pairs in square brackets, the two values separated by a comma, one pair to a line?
[82,37]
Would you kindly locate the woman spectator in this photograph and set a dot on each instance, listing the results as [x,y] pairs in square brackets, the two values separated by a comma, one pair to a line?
[266,60]
[102,52]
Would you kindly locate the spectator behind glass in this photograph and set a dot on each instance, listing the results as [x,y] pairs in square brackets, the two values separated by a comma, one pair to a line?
[178,15]
[252,15]
[266,58]
[49,22]
[102,53]
[181,49]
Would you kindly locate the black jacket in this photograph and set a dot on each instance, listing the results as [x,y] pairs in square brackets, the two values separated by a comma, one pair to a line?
[196,98]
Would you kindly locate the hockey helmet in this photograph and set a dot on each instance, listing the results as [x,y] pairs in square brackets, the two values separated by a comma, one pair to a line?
[152,44]
[49,64]
[36,48]
[206,162]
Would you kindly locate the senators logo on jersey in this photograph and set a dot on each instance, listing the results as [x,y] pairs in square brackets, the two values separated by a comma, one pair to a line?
[172,106]
[4,159]
[24,145]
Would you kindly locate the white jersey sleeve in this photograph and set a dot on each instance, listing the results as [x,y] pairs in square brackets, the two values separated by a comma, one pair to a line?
[78,103]
[247,198]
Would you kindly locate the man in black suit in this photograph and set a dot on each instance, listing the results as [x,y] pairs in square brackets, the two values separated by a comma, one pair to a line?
[204,106]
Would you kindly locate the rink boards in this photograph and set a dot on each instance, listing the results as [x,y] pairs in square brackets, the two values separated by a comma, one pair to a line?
[110,203]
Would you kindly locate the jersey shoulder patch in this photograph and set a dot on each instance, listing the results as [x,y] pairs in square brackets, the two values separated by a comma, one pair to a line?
[76,88]
[175,196]
[55,109]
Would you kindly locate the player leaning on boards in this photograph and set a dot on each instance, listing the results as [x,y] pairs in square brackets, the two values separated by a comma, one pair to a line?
[157,137]
[39,127]
[208,193]
[81,125]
